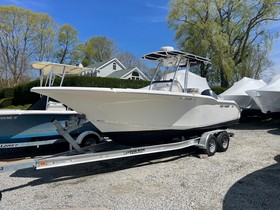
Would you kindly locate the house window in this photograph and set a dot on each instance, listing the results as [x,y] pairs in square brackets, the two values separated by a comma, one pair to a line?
[114,66]
[135,75]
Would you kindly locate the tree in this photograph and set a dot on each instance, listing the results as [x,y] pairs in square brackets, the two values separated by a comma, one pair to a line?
[23,37]
[131,61]
[98,49]
[226,31]
[44,38]
[67,44]
[254,65]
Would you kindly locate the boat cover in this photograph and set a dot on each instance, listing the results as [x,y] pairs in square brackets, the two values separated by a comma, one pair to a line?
[268,97]
[243,85]
[273,84]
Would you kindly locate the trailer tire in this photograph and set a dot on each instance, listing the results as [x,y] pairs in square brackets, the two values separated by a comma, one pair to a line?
[90,140]
[222,142]
[211,145]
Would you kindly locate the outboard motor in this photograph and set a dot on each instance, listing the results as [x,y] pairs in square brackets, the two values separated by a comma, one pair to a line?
[209,92]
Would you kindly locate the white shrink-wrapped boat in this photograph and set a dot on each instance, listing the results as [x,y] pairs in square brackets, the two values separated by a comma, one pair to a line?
[268,97]
[238,93]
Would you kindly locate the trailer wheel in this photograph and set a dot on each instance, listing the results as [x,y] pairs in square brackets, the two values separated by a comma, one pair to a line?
[90,141]
[211,145]
[222,142]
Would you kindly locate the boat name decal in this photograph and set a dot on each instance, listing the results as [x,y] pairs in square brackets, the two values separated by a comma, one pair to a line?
[133,151]
[8,117]
[187,98]
[8,145]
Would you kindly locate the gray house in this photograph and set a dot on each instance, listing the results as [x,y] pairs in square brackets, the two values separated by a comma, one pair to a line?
[116,69]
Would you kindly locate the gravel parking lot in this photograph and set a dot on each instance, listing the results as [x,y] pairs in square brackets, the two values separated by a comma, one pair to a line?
[246,176]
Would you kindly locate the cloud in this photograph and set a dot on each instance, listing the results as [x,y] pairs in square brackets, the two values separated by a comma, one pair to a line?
[157,6]
[32,5]
[13,2]
[158,18]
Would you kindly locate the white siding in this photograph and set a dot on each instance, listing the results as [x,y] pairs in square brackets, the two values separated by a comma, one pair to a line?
[108,69]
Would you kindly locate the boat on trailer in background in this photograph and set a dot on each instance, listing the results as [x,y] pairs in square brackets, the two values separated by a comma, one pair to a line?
[33,127]
[165,110]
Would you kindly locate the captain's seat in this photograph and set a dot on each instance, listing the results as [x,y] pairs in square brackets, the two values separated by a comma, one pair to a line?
[209,92]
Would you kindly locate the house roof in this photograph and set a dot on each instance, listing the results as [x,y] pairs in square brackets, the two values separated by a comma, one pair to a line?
[105,63]
[123,73]
[97,65]
[119,73]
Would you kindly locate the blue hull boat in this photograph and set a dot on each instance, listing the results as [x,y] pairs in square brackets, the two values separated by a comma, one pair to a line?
[35,124]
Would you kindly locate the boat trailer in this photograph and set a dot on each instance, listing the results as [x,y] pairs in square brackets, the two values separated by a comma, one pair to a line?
[209,142]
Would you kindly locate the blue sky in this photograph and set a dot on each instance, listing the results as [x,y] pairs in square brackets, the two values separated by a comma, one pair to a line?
[137,26]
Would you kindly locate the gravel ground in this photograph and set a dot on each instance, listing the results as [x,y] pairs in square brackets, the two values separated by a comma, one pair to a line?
[246,176]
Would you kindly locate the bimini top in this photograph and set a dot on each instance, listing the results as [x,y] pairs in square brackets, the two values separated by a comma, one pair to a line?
[170,57]
[57,68]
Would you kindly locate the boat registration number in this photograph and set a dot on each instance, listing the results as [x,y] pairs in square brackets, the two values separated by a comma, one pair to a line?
[8,117]
[133,151]
[9,145]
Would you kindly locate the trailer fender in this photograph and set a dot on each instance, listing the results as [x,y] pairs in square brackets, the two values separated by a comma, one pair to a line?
[85,134]
[203,139]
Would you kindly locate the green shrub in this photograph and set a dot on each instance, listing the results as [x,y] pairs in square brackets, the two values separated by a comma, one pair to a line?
[5,102]
[22,94]
[84,81]
[8,92]
[218,90]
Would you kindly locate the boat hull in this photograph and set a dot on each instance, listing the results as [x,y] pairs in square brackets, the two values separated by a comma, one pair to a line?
[18,126]
[143,114]
[155,136]
[245,102]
